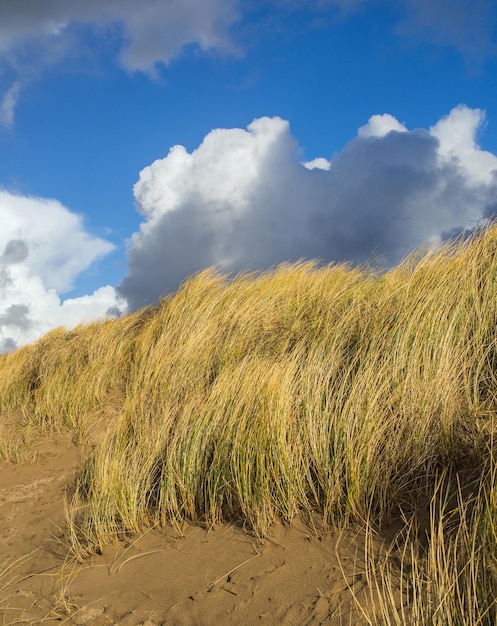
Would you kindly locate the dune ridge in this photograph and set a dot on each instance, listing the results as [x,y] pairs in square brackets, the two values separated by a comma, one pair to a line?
[361,397]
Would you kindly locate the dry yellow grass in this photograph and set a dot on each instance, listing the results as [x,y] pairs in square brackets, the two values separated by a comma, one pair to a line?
[324,388]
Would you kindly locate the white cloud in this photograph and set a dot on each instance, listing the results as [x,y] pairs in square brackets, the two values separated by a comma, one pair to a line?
[242,199]
[43,249]
[381,125]
[58,246]
[157,31]
[8,105]
[317,164]
[458,133]
[35,34]
[153,31]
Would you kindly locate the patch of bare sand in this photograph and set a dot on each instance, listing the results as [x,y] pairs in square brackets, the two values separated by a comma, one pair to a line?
[298,576]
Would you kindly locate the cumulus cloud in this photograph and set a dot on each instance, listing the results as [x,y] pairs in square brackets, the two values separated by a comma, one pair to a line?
[43,249]
[458,134]
[380,125]
[243,200]
[48,238]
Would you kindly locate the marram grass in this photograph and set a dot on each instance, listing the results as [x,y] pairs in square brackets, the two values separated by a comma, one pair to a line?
[329,389]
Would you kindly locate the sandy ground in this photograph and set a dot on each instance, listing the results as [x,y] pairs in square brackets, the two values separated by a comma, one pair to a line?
[219,576]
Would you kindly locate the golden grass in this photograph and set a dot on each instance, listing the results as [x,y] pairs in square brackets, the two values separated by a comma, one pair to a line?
[304,388]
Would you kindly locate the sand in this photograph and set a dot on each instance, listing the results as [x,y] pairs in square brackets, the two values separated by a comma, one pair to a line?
[223,575]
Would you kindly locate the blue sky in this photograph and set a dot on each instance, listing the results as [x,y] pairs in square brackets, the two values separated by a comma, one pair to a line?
[99,211]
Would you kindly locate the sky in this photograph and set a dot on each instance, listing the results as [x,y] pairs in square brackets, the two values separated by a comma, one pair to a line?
[141,142]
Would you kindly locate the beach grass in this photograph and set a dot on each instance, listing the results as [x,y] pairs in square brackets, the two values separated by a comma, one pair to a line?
[365,396]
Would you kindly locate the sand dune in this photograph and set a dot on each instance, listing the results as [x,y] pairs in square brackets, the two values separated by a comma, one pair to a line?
[221,575]
[331,391]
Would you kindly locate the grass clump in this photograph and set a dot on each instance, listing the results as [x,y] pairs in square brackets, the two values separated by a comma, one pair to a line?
[331,388]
